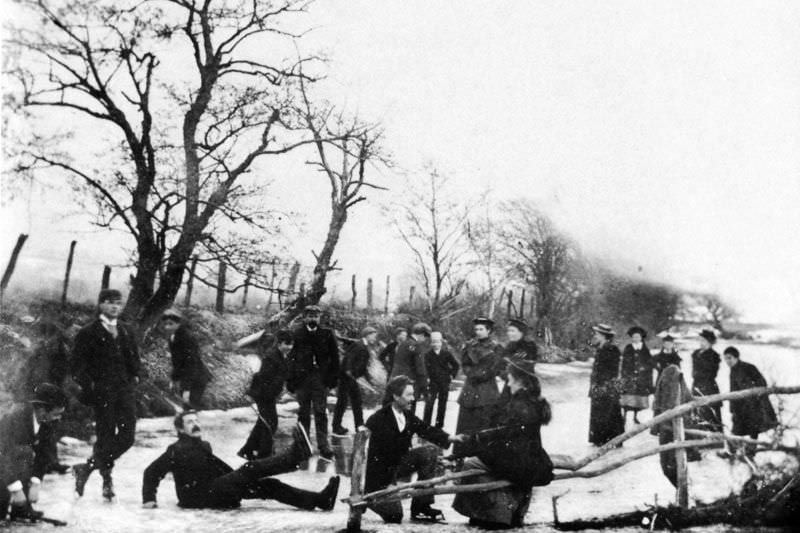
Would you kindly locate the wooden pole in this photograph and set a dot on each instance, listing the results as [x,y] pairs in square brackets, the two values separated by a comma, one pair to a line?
[12,263]
[106,280]
[220,304]
[357,477]
[355,293]
[271,286]
[246,286]
[522,305]
[386,299]
[509,303]
[411,292]
[369,293]
[682,494]
[67,273]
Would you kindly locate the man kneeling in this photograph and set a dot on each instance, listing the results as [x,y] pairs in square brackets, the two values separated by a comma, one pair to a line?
[202,480]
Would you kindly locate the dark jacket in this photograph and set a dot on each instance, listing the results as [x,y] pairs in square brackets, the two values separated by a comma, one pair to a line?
[663,359]
[17,441]
[355,362]
[521,349]
[409,360]
[604,381]
[267,384]
[386,357]
[705,365]
[750,415]
[49,362]
[481,362]
[442,367]
[187,360]
[637,371]
[387,445]
[193,468]
[314,351]
[512,449]
[103,365]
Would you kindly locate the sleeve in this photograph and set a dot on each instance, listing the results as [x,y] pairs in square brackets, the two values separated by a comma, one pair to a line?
[255,391]
[481,372]
[428,432]
[134,363]
[511,424]
[422,368]
[153,475]
[452,364]
[386,354]
[333,363]
[178,359]
[80,368]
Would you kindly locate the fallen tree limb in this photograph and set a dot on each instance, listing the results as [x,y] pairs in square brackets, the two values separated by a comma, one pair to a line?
[743,440]
[422,483]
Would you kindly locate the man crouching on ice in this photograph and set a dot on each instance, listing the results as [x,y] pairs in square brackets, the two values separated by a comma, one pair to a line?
[202,480]
[390,455]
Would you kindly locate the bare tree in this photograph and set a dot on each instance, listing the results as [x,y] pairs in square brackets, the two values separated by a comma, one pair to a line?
[718,311]
[432,225]
[186,103]
[483,234]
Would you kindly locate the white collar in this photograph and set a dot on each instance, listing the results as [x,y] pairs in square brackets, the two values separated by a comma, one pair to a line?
[108,321]
[35,425]
[637,346]
[400,417]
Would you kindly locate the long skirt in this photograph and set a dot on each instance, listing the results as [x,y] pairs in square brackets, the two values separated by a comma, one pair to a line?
[471,419]
[605,420]
[634,402]
[507,506]
[708,417]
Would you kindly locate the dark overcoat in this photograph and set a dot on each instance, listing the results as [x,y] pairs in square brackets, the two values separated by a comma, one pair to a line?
[187,360]
[442,367]
[267,384]
[17,441]
[637,371]
[605,414]
[522,349]
[356,361]
[409,361]
[386,357]
[388,445]
[482,363]
[750,415]
[664,358]
[102,365]
[705,365]
[314,351]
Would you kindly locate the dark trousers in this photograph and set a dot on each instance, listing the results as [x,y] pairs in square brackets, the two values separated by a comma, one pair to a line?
[312,393]
[46,449]
[421,460]
[261,439]
[115,423]
[196,390]
[436,392]
[348,388]
[252,481]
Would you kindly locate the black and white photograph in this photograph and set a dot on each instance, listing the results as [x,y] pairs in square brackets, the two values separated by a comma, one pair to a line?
[399,266]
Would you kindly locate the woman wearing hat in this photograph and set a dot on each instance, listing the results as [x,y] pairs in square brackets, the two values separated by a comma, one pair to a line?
[481,363]
[518,346]
[667,356]
[637,374]
[512,450]
[605,415]
[705,365]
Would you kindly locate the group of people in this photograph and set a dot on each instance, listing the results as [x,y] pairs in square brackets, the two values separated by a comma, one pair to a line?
[622,382]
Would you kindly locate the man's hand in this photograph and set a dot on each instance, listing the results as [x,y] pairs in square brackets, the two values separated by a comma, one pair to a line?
[18,498]
[461,437]
[185,396]
[149,505]
[33,490]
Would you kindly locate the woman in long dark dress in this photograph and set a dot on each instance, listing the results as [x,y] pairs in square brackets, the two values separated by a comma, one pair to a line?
[705,365]
[512,450]
[667,356]
[637,374]
[754,415]
[605,414]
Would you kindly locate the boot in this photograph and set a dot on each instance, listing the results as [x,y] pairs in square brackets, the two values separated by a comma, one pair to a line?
[327,496]
[81,472]
[24,513]
[108,485]
[426,514]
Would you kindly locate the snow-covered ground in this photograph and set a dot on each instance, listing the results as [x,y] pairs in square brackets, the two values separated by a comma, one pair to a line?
[625,489]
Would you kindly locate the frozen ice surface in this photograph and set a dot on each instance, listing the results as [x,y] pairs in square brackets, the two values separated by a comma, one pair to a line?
[625,489]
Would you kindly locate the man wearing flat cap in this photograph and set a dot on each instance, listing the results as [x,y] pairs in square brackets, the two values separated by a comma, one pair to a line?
[705,365]
[352,368]
[23,461]
[313,369]
[605,414]
[106,366]
[190,376]
[409,361]
[482,363]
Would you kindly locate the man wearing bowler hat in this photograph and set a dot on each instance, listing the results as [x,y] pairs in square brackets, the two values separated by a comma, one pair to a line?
[313,369]
[106,366]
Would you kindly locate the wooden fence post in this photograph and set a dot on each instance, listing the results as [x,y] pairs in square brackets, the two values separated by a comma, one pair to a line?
[369,293]
[271,286]
[67,273]
[357,478]
[682,494]
[106,280]
[187,299]
[12,263]
[220,304]
[353,288]
[522,306]
[509,303]
[386,300]
[411,292]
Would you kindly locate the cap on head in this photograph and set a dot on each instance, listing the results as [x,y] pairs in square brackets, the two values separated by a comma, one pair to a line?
[311,310]
[668,338]
[108,295]
[604,329]
[709,335]
[172,314]
[437,335]
[484,321]
[49,396]
[732,350]
[637,329]
[368,330]
[519,324]
[421,328]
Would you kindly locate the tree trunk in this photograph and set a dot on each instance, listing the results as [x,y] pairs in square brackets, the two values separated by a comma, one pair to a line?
[323,266]
[369,293]
[12,263]
[104,282]
[386,300]
[187,300]
[353,288]
[67,273]
[220,304]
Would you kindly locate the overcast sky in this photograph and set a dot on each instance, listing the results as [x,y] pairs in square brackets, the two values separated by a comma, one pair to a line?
[661,135]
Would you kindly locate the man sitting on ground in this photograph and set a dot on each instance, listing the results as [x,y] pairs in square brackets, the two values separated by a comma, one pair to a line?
[390,455]
[202,480]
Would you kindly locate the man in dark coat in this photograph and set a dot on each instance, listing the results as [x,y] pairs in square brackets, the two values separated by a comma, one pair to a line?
[23,454]
[409,361]
[667,356]
[637,374]
[390,455]
[265,389]
[106,366]
[202,480]
[442,368]
[190,376]
[605,415]
[705,365]
[386,357]
[481,362]
[313,369]
[751,416]
[352,368]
